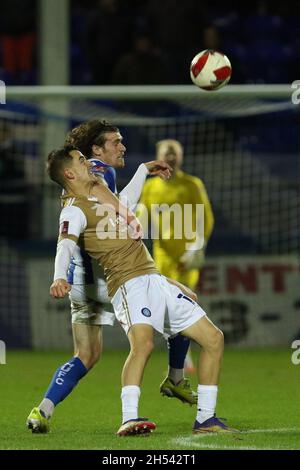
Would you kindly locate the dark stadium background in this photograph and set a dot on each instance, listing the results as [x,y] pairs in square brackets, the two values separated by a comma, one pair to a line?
[242,141]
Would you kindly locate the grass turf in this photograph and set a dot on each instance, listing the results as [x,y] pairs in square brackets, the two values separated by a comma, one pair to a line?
[258,394]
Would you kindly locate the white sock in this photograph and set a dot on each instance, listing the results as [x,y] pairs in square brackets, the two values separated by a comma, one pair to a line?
[130,400]
[46,407]
[207,400]
[176,375]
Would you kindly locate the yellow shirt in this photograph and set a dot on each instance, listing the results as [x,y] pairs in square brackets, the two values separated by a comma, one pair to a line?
[181,189]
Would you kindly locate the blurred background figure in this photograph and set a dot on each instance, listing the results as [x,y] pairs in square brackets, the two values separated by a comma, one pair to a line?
[176,27]
[106,38]
[13,188]
[267,52]
[180,189]
[261,39]
[18,40]
[143,64]
[211,38]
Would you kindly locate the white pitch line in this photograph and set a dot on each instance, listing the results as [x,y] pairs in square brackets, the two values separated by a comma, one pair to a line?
[254,431]
[183,441]
[248,431]
[193,441]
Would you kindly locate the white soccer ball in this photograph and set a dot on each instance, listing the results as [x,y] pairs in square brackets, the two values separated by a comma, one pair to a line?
[210,70]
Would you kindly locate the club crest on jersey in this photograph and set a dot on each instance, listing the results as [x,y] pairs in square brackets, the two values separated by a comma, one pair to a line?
[146,312]
[65,227]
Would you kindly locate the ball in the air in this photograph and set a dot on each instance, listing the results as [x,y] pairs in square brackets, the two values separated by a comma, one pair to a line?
[210,70]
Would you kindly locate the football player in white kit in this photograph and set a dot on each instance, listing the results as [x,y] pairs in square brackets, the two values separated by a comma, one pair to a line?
[90,303]
[92,139]
[143,299]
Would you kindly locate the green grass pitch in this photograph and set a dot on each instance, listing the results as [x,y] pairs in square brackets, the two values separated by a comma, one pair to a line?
[259,394]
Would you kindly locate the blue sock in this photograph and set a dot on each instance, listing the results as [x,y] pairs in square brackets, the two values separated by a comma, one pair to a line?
[65,379]
[178,348]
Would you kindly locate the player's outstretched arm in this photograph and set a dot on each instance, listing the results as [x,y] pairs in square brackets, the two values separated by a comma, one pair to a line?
[186,290]
[131,194]
[60,287]
[105,196]
[157,168]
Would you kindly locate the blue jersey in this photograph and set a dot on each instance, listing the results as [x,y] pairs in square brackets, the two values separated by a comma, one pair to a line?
[108,173]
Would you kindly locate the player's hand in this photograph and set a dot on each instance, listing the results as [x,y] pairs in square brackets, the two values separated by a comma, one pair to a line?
[189,293]
[192,259]
[135,228]
[161,169]
[59,288]
[184,289]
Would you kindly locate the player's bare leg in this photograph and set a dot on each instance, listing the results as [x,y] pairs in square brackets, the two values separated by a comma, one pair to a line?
[87,343]
[141,345]
[176,384]
[140,337]
[207,335]
[87,350]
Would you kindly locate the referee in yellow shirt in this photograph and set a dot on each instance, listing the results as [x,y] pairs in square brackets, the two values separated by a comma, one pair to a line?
[169,253]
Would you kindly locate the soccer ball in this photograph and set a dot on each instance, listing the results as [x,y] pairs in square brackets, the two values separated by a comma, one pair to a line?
[210,70]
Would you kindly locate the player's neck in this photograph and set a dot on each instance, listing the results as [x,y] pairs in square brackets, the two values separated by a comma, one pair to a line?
[101,159]
[80,188]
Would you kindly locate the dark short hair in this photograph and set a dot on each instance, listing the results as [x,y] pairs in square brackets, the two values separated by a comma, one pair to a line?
[57,161]
[88,134]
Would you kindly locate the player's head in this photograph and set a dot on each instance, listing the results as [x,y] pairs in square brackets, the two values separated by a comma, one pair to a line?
[99,139]
[171,152]
[67,166]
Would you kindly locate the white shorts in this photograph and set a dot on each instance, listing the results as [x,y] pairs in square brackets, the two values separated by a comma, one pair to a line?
[88,302]
[151,299]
